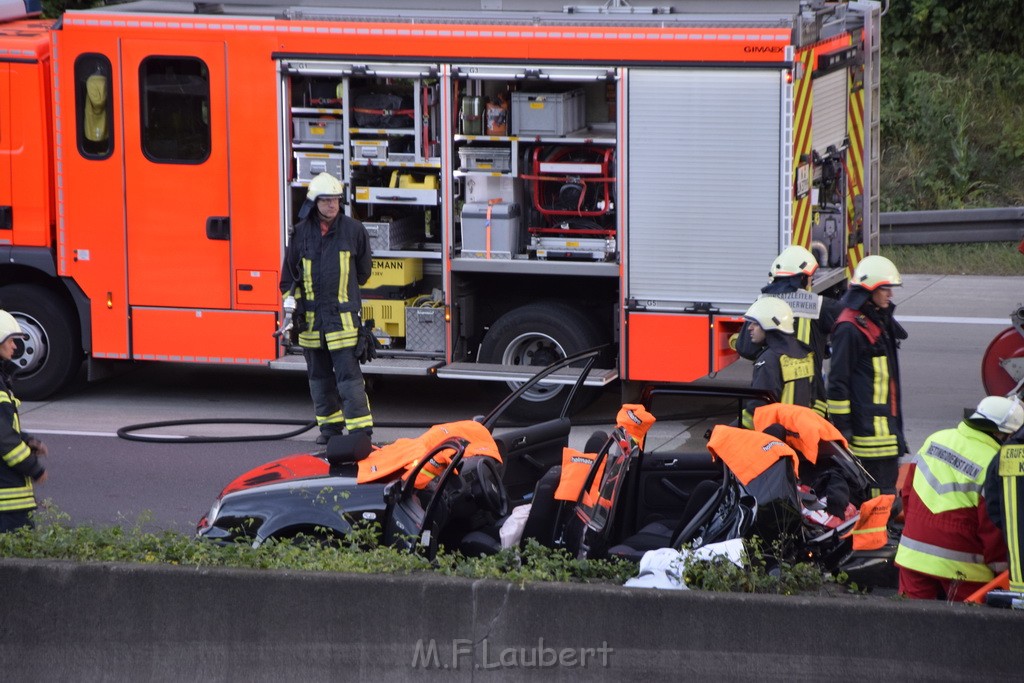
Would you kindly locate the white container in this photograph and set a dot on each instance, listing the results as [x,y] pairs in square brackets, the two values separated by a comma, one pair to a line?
[310,164]
[370,149]
[503,224]
[487,159]
[483,188]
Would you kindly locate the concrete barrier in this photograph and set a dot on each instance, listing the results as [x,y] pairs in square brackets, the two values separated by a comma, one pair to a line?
[63,621]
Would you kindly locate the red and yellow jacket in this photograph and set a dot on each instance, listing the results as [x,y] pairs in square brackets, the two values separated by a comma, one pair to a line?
[948,532]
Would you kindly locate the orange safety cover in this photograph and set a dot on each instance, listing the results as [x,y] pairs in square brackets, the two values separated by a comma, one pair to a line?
[667,347]
[197,336]
[635,421]
[869,532]
[575,468]
[748,453]
[807,428]
[406,453]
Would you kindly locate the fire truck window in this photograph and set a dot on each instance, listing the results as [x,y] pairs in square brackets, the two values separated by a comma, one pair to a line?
[175,109]
[94,112]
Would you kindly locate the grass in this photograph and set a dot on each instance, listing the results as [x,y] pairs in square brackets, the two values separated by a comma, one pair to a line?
[979,258]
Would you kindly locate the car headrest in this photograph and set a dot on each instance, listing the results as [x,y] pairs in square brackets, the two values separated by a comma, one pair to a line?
[346,448]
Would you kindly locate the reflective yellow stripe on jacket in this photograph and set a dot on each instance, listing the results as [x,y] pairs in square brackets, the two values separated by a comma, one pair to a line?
[936,561]
[1010,513]
[18,498]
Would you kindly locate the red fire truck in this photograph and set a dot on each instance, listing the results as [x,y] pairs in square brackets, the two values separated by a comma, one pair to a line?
[536,178]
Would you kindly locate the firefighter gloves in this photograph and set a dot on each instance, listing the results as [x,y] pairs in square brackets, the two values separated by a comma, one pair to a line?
[366,346]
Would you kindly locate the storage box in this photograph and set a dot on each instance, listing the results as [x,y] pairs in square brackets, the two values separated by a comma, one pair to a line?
[483,188]
[424,329]
[503,224]
[320,131]
[310,164]
[370,149]
[493,159]
[394,272]
[404,188]
[535,113]
[393,234]
[388,315]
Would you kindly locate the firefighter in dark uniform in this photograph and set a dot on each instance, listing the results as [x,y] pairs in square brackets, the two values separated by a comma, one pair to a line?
[1004,493]
[864,393]
[325,264]
[784,366]
[791,275]
[19,453]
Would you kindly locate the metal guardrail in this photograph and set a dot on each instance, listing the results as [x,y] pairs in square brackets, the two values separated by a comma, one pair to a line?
[942,227]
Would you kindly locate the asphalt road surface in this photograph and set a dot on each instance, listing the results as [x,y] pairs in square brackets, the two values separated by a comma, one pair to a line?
[98,478]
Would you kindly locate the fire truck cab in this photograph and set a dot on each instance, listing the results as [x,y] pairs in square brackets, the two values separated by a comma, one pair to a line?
[536,178]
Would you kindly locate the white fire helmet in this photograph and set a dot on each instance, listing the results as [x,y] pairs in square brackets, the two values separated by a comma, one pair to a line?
[875,271]
[1005,413]
[794,260]
[771,313]
[9,327]
[325,185]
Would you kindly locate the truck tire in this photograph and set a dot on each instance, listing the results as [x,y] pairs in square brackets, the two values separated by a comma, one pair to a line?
[52,354]
[537,335]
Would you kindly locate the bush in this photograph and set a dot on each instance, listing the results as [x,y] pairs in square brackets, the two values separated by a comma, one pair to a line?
[952,121]
[54,538]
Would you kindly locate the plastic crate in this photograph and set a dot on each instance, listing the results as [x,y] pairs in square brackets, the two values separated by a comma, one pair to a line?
[492,159]
[424,329]
[394,272]
[310,164]
[536,113]
[320,131]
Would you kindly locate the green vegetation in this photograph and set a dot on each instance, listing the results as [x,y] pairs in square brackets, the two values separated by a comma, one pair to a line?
[952,114]
[984,258]
[54,538]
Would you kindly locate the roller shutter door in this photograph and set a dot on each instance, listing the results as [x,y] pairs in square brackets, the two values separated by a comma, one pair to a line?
[828,118]
[705,169]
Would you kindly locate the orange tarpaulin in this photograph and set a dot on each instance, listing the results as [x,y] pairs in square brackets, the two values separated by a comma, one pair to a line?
[748,453]
[807,427]
[404,454]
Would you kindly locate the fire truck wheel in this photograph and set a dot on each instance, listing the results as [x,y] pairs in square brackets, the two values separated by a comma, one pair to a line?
[537,335]
[52,354]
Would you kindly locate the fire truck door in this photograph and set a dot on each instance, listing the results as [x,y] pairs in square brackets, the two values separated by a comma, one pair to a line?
[6,193]
[176,168]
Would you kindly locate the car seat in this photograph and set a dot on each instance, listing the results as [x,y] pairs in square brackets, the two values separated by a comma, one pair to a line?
[542,524]
[660,534]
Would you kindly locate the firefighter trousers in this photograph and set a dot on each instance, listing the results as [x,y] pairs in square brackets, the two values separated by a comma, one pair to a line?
[338,391]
